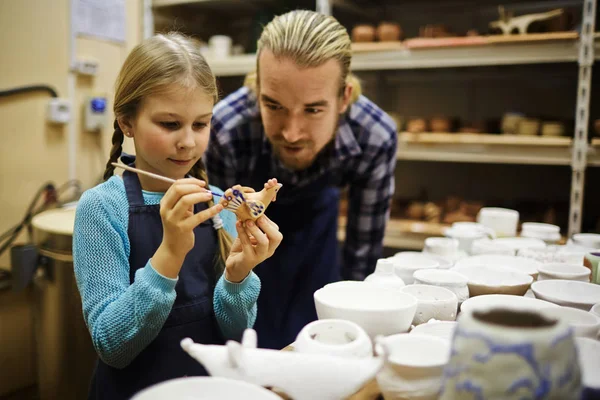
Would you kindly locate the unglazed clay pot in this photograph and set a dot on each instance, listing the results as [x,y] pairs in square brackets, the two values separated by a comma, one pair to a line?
[440,124]
[508,354]
[363,33]
[389,32]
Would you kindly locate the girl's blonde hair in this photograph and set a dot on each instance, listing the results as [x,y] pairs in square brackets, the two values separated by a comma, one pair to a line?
[152,67]
[309,39]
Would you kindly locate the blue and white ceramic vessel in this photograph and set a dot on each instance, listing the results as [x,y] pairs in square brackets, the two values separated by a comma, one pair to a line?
[502,354]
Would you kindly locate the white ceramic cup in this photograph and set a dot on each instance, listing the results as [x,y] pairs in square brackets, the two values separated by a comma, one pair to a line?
[434,302]
[502,220]
[441,246]
[220,46]
[414,366]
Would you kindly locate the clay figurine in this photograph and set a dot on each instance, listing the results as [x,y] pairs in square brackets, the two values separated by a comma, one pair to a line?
[247,204]
[507,23]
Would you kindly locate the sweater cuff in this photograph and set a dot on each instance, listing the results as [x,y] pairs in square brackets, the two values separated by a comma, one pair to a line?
[236,288]
[155,279]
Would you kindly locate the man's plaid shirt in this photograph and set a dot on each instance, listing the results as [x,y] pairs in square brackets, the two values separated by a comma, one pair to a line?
[363,158]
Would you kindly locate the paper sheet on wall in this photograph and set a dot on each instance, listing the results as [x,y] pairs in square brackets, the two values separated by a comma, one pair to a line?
[103,19]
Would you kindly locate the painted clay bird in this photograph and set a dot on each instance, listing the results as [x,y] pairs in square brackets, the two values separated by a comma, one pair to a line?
[247,204]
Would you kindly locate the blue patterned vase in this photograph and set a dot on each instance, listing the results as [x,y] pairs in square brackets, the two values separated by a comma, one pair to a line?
[507,354]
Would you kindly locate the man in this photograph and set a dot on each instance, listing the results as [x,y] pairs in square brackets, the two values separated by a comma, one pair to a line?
[303,121]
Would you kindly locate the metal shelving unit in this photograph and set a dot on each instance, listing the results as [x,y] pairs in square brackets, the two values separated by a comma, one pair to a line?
[494,149]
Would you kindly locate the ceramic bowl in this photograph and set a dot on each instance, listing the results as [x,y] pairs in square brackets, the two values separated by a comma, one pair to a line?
[414,368]
[484,279]
[441,246]
[591,240]
[378,310]
[584,324]
[596,309]
[556,254]
[205,388]
[489,301]
[518,243]
[574,294]
[406,263]
[547,232]
[522,264]
[450,280]
[589,359]
[564,271]
[490,246]
[442,329]
[433,302]
[334,337]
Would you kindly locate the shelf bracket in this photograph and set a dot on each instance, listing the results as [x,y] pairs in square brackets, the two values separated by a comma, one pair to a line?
[582,114]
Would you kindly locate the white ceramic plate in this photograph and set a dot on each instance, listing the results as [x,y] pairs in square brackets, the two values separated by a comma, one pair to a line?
[485,302]
[522,264]
[205,388]
[575,294]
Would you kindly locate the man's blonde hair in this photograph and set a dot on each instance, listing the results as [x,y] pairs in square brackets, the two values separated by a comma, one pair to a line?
[309,39]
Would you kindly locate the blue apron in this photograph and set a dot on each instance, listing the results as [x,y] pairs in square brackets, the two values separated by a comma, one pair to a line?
[305,261]
[192,314]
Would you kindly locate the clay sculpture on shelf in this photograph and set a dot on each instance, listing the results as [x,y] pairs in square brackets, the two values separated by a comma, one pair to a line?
[507,23]
[250,205]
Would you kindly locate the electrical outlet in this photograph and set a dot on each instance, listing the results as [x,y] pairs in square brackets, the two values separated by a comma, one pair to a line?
[59,110]
[86,67]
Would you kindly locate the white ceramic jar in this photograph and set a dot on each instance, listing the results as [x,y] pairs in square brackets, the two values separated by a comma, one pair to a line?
[385,275]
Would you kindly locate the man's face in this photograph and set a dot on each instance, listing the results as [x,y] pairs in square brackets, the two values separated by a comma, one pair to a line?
[300,108]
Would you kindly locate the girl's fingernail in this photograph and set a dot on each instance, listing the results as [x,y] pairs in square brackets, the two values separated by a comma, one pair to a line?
[249,224]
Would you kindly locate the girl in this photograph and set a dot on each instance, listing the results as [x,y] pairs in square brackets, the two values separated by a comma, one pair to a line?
[153,260]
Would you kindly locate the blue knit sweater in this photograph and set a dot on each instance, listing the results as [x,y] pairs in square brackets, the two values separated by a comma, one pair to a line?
[122,317]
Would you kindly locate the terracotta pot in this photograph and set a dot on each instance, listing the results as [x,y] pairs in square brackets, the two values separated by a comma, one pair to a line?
[416,125]
[440,124]
[363,33]
[389,32]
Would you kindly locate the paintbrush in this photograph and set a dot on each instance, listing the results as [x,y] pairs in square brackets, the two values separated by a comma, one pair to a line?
[150,174]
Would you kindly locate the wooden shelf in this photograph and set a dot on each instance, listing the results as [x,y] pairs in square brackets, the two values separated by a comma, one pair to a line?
[396,55]
[490,148]
[402,233]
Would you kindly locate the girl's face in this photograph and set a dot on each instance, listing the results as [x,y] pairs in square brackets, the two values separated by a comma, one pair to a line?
[170,133]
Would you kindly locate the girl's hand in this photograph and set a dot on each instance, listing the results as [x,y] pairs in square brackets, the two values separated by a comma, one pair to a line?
[255,243]
[179,221]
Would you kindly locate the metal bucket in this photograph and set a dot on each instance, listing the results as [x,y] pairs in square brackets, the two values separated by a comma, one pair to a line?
[64,351]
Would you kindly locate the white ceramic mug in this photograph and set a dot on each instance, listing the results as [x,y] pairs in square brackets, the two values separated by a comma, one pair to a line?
[502,220]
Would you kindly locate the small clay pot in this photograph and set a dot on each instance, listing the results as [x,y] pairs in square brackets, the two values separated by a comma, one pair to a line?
[416,125]
[597,127]
[363,33]
[389,32]
[440,124]
[553,129]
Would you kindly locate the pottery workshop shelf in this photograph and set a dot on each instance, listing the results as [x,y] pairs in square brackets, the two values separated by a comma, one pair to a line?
[402,233]
[439,53]
[490,148]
